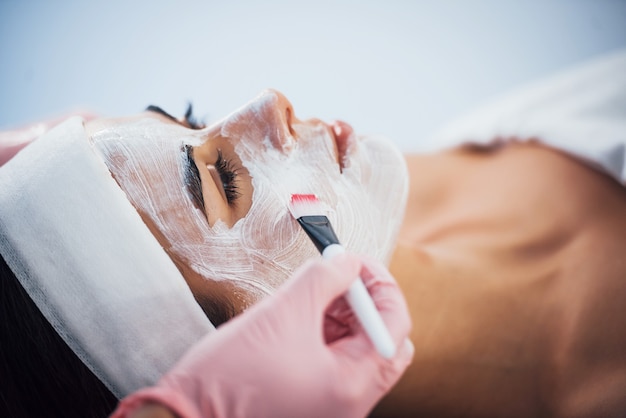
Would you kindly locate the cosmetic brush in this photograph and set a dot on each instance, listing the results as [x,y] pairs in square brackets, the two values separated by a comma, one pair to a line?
[307,210]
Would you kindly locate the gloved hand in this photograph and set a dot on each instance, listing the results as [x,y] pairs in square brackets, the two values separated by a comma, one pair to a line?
[298,353]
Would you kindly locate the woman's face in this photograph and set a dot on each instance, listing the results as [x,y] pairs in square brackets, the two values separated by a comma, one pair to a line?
[216,197]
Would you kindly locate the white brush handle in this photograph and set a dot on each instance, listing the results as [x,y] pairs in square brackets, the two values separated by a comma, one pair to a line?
[363,306]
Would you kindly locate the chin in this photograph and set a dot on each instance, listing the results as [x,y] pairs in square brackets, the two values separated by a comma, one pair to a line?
[384,180]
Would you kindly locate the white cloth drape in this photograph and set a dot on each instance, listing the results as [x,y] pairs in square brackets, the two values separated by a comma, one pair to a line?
[581,112]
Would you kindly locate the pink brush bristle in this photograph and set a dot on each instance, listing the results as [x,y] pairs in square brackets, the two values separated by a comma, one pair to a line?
[304,205]
[298,198]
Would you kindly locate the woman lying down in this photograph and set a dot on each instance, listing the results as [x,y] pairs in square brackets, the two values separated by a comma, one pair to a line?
[509,243]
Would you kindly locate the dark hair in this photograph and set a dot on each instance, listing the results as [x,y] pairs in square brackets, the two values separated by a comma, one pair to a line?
[39,374]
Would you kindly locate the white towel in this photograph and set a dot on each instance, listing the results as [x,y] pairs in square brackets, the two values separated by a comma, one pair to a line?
[91,265]
[581,112]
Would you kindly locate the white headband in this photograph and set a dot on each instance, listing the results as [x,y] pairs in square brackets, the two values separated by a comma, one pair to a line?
[91,265]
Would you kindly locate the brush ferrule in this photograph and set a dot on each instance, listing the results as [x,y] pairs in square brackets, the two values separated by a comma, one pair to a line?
[319,229]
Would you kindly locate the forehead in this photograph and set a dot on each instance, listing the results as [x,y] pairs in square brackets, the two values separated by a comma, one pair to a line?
[99,124]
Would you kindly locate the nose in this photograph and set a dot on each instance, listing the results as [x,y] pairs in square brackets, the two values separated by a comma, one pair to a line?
[268,118]
[283,107]
[275,113]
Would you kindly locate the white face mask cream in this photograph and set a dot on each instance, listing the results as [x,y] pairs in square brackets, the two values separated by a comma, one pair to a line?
[364,202]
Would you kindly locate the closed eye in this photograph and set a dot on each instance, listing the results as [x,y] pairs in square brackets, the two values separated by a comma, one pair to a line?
[228,177]
[192,179]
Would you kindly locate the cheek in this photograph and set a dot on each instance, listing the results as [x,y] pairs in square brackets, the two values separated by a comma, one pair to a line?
[365,203]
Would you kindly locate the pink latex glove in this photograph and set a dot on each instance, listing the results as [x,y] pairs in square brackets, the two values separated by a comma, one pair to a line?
[11,142]
[298,353]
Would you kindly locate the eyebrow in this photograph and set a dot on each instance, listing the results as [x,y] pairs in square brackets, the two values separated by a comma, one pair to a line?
[189,120]
[157,109]
[192,178]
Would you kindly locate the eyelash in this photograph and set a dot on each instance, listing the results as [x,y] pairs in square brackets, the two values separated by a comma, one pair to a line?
[228,176]
[224,167]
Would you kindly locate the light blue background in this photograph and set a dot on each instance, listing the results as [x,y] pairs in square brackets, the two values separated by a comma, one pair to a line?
[397,68]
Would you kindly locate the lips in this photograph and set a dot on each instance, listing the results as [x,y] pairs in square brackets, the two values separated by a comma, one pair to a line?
[344,140]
